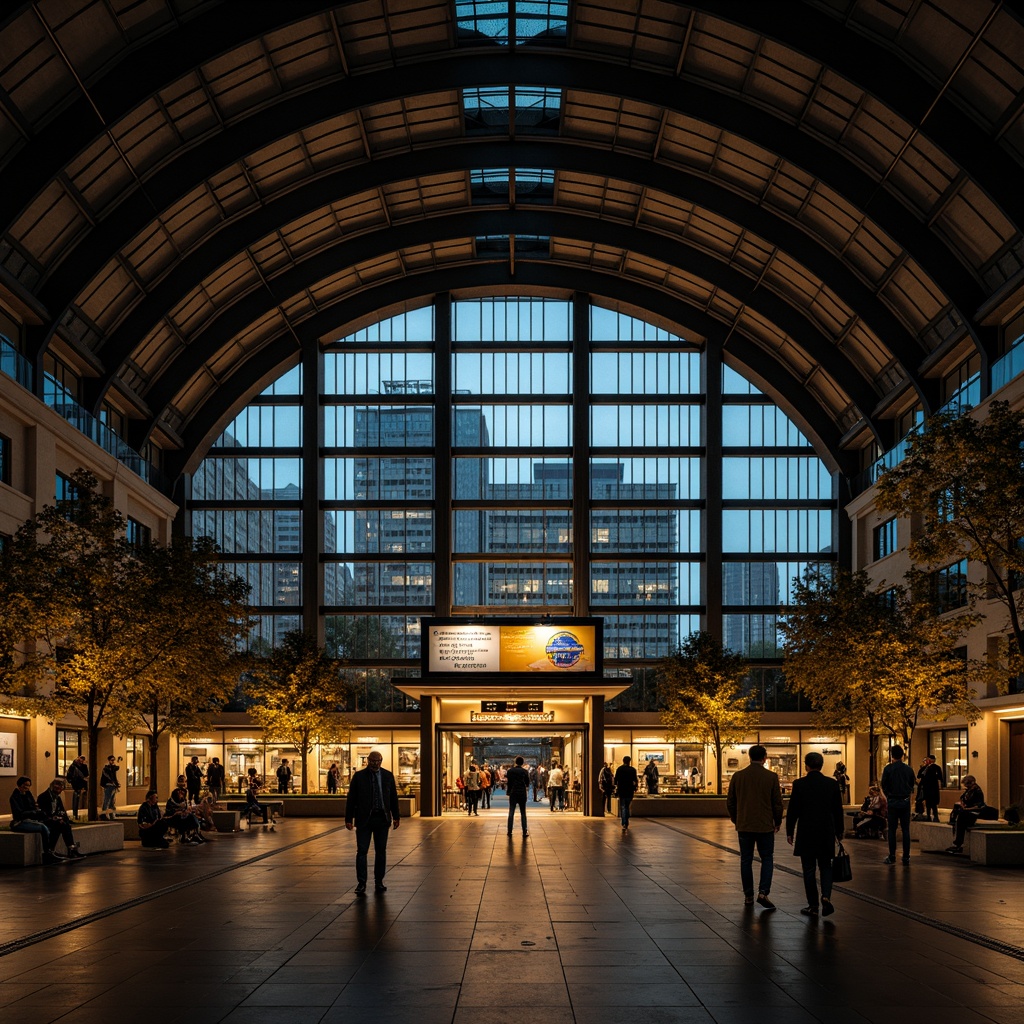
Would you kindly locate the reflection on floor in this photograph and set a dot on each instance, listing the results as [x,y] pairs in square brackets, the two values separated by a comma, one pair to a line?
[580,922]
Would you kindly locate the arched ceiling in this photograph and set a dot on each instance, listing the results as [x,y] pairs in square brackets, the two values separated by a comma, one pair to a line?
[829,189]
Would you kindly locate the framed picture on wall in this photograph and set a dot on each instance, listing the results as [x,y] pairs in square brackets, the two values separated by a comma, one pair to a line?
[408,761]
[8,753]
[657,756]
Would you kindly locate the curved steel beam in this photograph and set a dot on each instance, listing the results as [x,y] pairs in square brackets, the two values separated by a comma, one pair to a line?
[142,72]
[788,391]
[222,246]
[457,70]
[252,306]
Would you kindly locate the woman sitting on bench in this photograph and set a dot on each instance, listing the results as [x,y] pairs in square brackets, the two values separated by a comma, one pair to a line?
[870,821]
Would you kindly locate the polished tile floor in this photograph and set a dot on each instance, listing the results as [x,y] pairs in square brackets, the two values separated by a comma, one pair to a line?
[577,923]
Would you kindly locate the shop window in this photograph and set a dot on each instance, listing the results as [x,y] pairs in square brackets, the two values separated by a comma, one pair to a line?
[69,746]
[136,772]
[949,748]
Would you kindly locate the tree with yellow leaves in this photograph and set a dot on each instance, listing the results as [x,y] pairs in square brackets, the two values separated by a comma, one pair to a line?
[701,687]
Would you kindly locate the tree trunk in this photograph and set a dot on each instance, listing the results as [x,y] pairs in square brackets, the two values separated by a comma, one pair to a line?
[305,778]
[154,749]
[718,765]
[95,770]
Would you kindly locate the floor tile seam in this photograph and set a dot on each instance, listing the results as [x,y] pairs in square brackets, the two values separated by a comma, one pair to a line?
[996,945]
[23,942]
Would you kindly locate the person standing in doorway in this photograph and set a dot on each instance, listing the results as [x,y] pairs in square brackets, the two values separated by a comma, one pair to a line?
[754,802]
[193,779]
[108,780]
[372,810]
[333,775]
[215,779]
[626,784]
[652,777]
[485,786]
[815,814]
[898,783]
[284,776]
[517,785]
[556,788]
[606,781]
[472,781]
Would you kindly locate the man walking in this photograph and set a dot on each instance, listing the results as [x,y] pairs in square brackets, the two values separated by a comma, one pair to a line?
[898,782]
[755,808]
[931,779]
[517,785]
[815,813]
[215,778]
[626,784]
[372,809]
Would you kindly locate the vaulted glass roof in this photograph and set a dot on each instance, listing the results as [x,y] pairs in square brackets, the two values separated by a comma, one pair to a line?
[191,199]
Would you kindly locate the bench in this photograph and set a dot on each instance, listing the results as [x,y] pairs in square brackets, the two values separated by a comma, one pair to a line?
[937,836]
[225,821]
[22,849]
[996,847]
[275,809]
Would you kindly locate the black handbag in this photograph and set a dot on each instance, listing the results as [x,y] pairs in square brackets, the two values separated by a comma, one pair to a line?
[841,870]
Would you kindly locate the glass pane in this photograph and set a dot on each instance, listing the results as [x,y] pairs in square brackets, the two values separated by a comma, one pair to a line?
[794,478]
[753,636]
[414,325]
[400,479]
[746,426]
[645,373]
[247,480]
[512,373]
[635,426]
[645,479]
[513,584]
[512,531]
[272,583]
[378,373]
[384,584]
[379,531]
[795,530]
[373,636]
[512,319]
[347,426]
[264,426]
[615,531]
[268,631]
[511,479]
[508,426]
[249,531]
[735,384]
[289,383]
[646,636]
[609,325]
[760,583]
[631,583]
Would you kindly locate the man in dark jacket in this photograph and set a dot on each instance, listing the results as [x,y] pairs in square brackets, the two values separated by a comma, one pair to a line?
[815,813]
[517,785]
[626,785]
[55,817]
[931,780]
[193,779]
[215,778]
[372,809]
[898,783]
[754,803]
[153,825]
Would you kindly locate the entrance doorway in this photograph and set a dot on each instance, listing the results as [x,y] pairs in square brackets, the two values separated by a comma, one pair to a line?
[497,752]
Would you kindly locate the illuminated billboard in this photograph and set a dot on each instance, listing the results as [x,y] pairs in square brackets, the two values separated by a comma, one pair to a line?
[517,647]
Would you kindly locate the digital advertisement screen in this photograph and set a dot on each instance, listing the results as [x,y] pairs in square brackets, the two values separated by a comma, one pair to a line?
[558,647]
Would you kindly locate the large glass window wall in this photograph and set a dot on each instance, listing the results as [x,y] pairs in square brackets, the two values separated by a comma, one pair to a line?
[475,456]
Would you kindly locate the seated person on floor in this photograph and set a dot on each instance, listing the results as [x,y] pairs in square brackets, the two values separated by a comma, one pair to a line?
[252,804]
[202,811]
[968,812]
[182,819]
[871,819]
[55,817]
[153,826]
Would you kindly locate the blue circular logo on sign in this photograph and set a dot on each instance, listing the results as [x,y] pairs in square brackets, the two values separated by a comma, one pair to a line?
[563,650]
